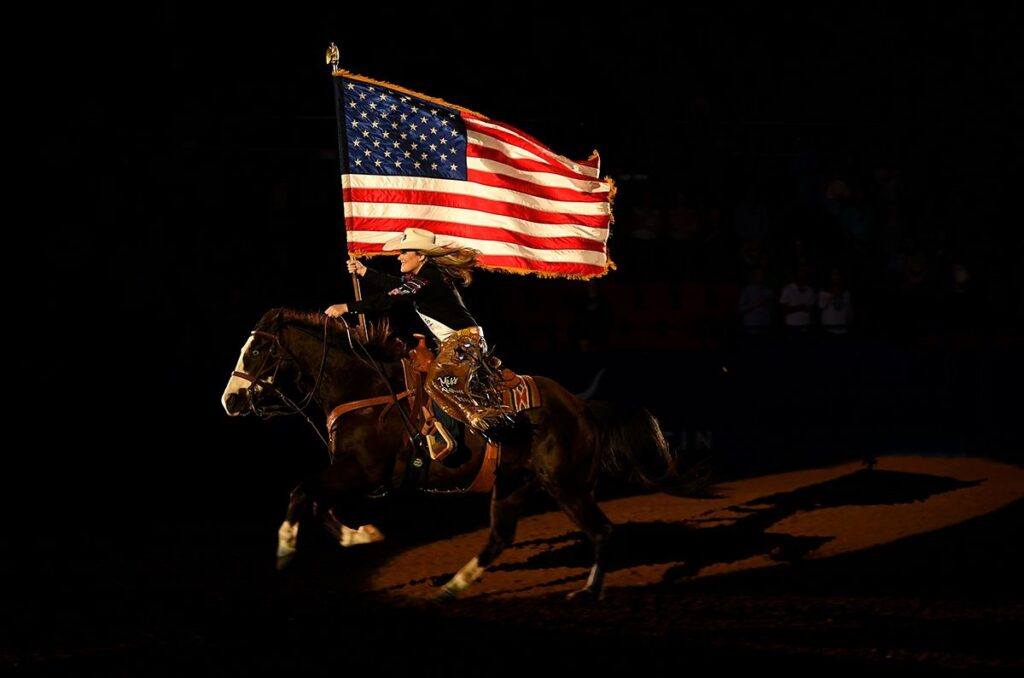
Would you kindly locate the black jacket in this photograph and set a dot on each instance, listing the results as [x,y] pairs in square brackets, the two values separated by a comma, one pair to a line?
[432,293]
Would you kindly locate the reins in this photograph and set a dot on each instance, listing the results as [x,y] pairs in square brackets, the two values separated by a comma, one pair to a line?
[409,427]
[296,408]
[299,408]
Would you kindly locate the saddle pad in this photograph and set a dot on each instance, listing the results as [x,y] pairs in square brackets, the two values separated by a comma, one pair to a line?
[519,391]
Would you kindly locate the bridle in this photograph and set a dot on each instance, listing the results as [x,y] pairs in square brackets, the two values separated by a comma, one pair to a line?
[281,355]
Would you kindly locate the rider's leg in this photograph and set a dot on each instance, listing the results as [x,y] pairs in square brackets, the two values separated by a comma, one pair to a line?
[442,378]
[448,381]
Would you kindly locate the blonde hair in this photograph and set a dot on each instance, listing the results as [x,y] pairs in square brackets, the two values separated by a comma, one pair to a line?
[455,262]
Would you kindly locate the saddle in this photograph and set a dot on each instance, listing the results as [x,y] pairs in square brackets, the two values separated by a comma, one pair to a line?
[518,392]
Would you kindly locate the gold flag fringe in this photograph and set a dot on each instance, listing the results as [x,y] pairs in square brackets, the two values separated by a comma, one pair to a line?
[518,271]
[613,189]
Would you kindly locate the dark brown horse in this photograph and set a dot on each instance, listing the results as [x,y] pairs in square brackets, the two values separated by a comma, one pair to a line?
[294,359]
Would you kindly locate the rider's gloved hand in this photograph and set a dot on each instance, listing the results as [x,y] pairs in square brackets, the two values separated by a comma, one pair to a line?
[336,310]
[355,266]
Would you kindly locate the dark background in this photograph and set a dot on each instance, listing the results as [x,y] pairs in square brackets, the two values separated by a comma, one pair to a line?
[188,181]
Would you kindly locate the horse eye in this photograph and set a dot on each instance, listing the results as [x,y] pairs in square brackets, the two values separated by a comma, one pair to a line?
[255,353]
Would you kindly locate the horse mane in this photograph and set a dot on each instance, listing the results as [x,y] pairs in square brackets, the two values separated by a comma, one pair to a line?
[378,339]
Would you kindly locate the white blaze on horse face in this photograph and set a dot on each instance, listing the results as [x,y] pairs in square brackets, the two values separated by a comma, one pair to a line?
[236,384]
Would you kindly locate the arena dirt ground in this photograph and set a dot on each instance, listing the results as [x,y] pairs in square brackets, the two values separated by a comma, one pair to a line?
[911,566]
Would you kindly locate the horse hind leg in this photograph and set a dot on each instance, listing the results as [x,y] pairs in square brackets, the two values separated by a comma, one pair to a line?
[507,500]
[583,510]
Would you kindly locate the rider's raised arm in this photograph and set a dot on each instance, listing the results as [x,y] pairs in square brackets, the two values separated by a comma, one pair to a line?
[406,288]
[377,300]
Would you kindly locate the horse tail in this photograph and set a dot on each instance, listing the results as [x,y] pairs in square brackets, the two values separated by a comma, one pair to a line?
[630,442]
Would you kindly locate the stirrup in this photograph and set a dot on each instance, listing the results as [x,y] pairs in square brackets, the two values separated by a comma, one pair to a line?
[431,425]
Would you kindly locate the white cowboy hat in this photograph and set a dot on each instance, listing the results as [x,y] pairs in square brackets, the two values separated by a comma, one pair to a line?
[412,239]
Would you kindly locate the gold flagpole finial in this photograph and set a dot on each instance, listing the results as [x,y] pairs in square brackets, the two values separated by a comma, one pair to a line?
[333,58]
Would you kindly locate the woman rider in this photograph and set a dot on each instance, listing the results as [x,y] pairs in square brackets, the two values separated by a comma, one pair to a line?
[428,280]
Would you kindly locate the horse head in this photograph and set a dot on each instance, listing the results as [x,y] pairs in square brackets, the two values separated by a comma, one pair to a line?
[259,368]
[291,356]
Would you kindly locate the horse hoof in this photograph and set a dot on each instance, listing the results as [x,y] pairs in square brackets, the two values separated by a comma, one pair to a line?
[366,534]
[585,595]
[445,595]
[284,560]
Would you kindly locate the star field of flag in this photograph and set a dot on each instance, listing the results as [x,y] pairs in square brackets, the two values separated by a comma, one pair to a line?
[392,133]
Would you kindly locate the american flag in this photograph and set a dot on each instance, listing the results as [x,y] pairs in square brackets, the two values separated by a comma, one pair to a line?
[410,160]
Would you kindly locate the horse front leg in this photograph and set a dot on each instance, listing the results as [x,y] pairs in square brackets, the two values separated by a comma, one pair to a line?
[314,498]
[299,506]
[347,536]
[507,501]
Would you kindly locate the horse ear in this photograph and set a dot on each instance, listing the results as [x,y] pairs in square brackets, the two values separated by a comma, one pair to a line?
[272,319]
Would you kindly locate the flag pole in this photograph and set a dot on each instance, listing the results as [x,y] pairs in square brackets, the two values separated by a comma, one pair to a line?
[333,59]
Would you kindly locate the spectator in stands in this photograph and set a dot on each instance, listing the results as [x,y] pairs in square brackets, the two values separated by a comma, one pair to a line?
[756,305]
[795,255]
[887,184]
[916,309]
[646,221]
[751,228]
[963,305]
[836,191]
[682,220]
[753,255]
[683,228]
[718,248]
[646,233]
[592,325]
[796,302]
[834,302]
[750,218]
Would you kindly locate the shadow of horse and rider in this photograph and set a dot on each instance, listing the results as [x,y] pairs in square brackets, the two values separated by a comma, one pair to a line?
[706,540]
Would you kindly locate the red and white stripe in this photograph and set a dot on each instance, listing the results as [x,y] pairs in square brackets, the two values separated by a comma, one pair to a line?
[525,207]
